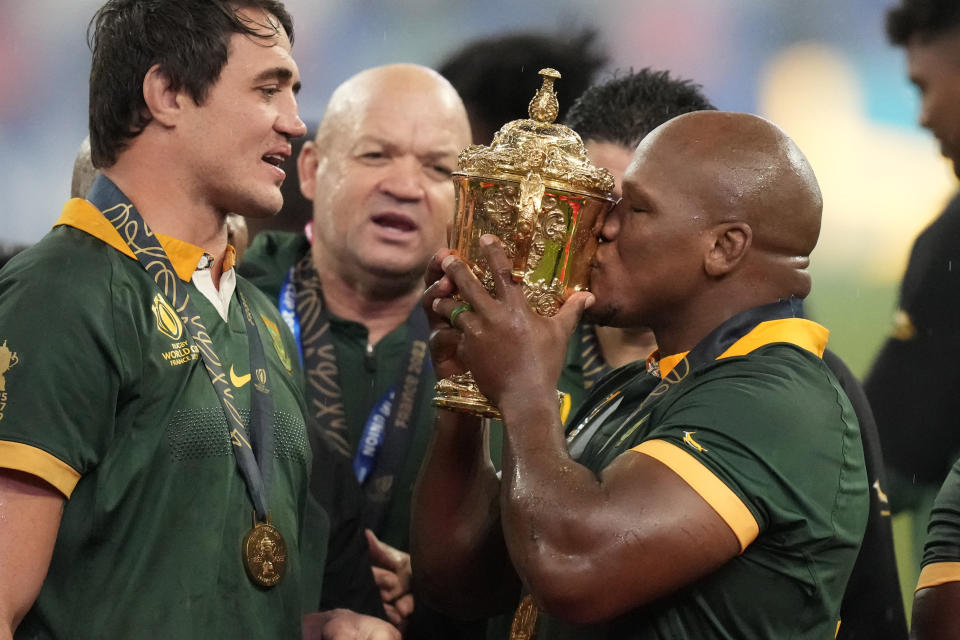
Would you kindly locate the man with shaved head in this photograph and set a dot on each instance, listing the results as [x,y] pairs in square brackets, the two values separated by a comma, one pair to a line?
[378,174]
[715,491]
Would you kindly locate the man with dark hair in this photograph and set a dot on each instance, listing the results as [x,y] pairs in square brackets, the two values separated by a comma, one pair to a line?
[913,383]
[493,75]
[153,453]
[612,118]
[680,501]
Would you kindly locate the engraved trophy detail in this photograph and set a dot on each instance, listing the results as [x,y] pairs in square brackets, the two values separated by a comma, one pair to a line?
[536,190]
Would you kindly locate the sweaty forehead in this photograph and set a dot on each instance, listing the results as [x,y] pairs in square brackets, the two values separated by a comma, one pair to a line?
[425,119]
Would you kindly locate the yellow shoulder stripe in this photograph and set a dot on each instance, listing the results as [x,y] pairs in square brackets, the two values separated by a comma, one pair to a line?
[797,331]
[37,462]
[718,495]
[938,573]
[81,214]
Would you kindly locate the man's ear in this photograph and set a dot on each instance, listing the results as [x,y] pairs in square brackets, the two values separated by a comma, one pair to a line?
[163,103]
[307,164]
[731,241]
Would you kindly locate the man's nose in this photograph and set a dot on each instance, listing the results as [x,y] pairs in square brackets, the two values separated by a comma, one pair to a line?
[405,179]
[611,225]
[289,122]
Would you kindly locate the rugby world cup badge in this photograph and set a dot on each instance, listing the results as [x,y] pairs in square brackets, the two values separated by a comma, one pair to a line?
[274,332]
[168,322]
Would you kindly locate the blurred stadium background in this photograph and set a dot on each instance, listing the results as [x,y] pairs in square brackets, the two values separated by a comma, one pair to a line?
[821,69]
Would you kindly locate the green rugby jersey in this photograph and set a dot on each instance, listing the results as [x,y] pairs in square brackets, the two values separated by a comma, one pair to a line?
[108,400]
[365,377]
[765,435]
[941,552]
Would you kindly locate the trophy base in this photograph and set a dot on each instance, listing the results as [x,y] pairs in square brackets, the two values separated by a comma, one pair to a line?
[460,393]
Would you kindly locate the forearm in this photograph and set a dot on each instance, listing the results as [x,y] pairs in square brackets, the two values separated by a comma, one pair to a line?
[547,499]
[30,511]
[458,555]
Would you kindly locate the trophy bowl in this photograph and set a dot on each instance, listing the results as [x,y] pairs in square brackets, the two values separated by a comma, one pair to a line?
[536,190]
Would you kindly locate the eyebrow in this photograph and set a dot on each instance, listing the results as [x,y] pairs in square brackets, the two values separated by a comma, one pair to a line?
[278,73]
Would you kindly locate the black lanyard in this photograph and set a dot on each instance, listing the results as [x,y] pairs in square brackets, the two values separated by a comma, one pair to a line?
[324,393]
[254,448]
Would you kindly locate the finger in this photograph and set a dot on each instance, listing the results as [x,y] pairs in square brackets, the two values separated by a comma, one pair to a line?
[442,288]
[501,267]
[393,615]
[445,307]
[404,605]
[434,270]
[380,554]
[444,345]
[572,309]
[466,282]
[388,583]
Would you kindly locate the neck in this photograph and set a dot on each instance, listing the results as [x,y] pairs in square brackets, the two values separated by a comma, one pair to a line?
[171,211]
[379,314]
[623,346]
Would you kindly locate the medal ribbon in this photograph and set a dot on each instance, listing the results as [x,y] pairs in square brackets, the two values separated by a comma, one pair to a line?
[376,466]
[254,448]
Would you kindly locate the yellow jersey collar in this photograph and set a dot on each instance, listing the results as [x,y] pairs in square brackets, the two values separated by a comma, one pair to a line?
[185,257]
[796,331]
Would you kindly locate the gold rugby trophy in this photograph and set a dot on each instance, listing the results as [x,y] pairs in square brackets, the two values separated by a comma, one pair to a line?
[535,189]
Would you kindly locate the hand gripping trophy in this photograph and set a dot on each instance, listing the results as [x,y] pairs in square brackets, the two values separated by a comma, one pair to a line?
[535,189]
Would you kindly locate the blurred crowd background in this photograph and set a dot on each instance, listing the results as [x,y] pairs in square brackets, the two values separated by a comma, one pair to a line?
[821,69]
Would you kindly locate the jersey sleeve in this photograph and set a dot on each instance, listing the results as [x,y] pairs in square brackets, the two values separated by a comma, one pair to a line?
[941,553]
[59,364]
[767,442]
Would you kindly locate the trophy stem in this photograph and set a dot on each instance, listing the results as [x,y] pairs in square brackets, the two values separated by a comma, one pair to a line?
[460,393]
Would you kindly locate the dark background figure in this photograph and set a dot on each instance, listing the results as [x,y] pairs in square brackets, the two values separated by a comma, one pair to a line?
[913,384]
[497,76]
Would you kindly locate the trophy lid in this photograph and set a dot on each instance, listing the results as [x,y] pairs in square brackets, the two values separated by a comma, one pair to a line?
[538,145]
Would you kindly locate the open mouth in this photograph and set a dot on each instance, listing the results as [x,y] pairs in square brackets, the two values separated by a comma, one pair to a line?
[274,159]
[394,221]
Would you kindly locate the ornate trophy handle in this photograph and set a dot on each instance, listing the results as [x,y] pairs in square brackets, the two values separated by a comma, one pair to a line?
[528,216]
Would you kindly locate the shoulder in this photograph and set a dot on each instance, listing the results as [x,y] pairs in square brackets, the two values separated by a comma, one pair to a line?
[270,256]
[778,384]
[67,267]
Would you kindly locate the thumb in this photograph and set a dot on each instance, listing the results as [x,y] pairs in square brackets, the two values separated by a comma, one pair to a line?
[381,554]
[572,309]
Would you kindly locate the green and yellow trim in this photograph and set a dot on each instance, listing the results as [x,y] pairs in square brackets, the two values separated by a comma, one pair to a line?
[702,480]
[937,573]
[37,462]
[796,331]
[81,214]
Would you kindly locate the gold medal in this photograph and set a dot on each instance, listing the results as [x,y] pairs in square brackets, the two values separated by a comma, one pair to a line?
[264,554]
[524,620]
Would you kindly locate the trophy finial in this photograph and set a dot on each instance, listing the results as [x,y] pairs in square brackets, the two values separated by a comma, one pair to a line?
[544,106]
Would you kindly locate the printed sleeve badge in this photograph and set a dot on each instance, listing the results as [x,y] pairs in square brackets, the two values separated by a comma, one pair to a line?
[8,360]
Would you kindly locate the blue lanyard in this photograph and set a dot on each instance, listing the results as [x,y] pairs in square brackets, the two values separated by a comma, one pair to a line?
[382,417]
[287,304]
